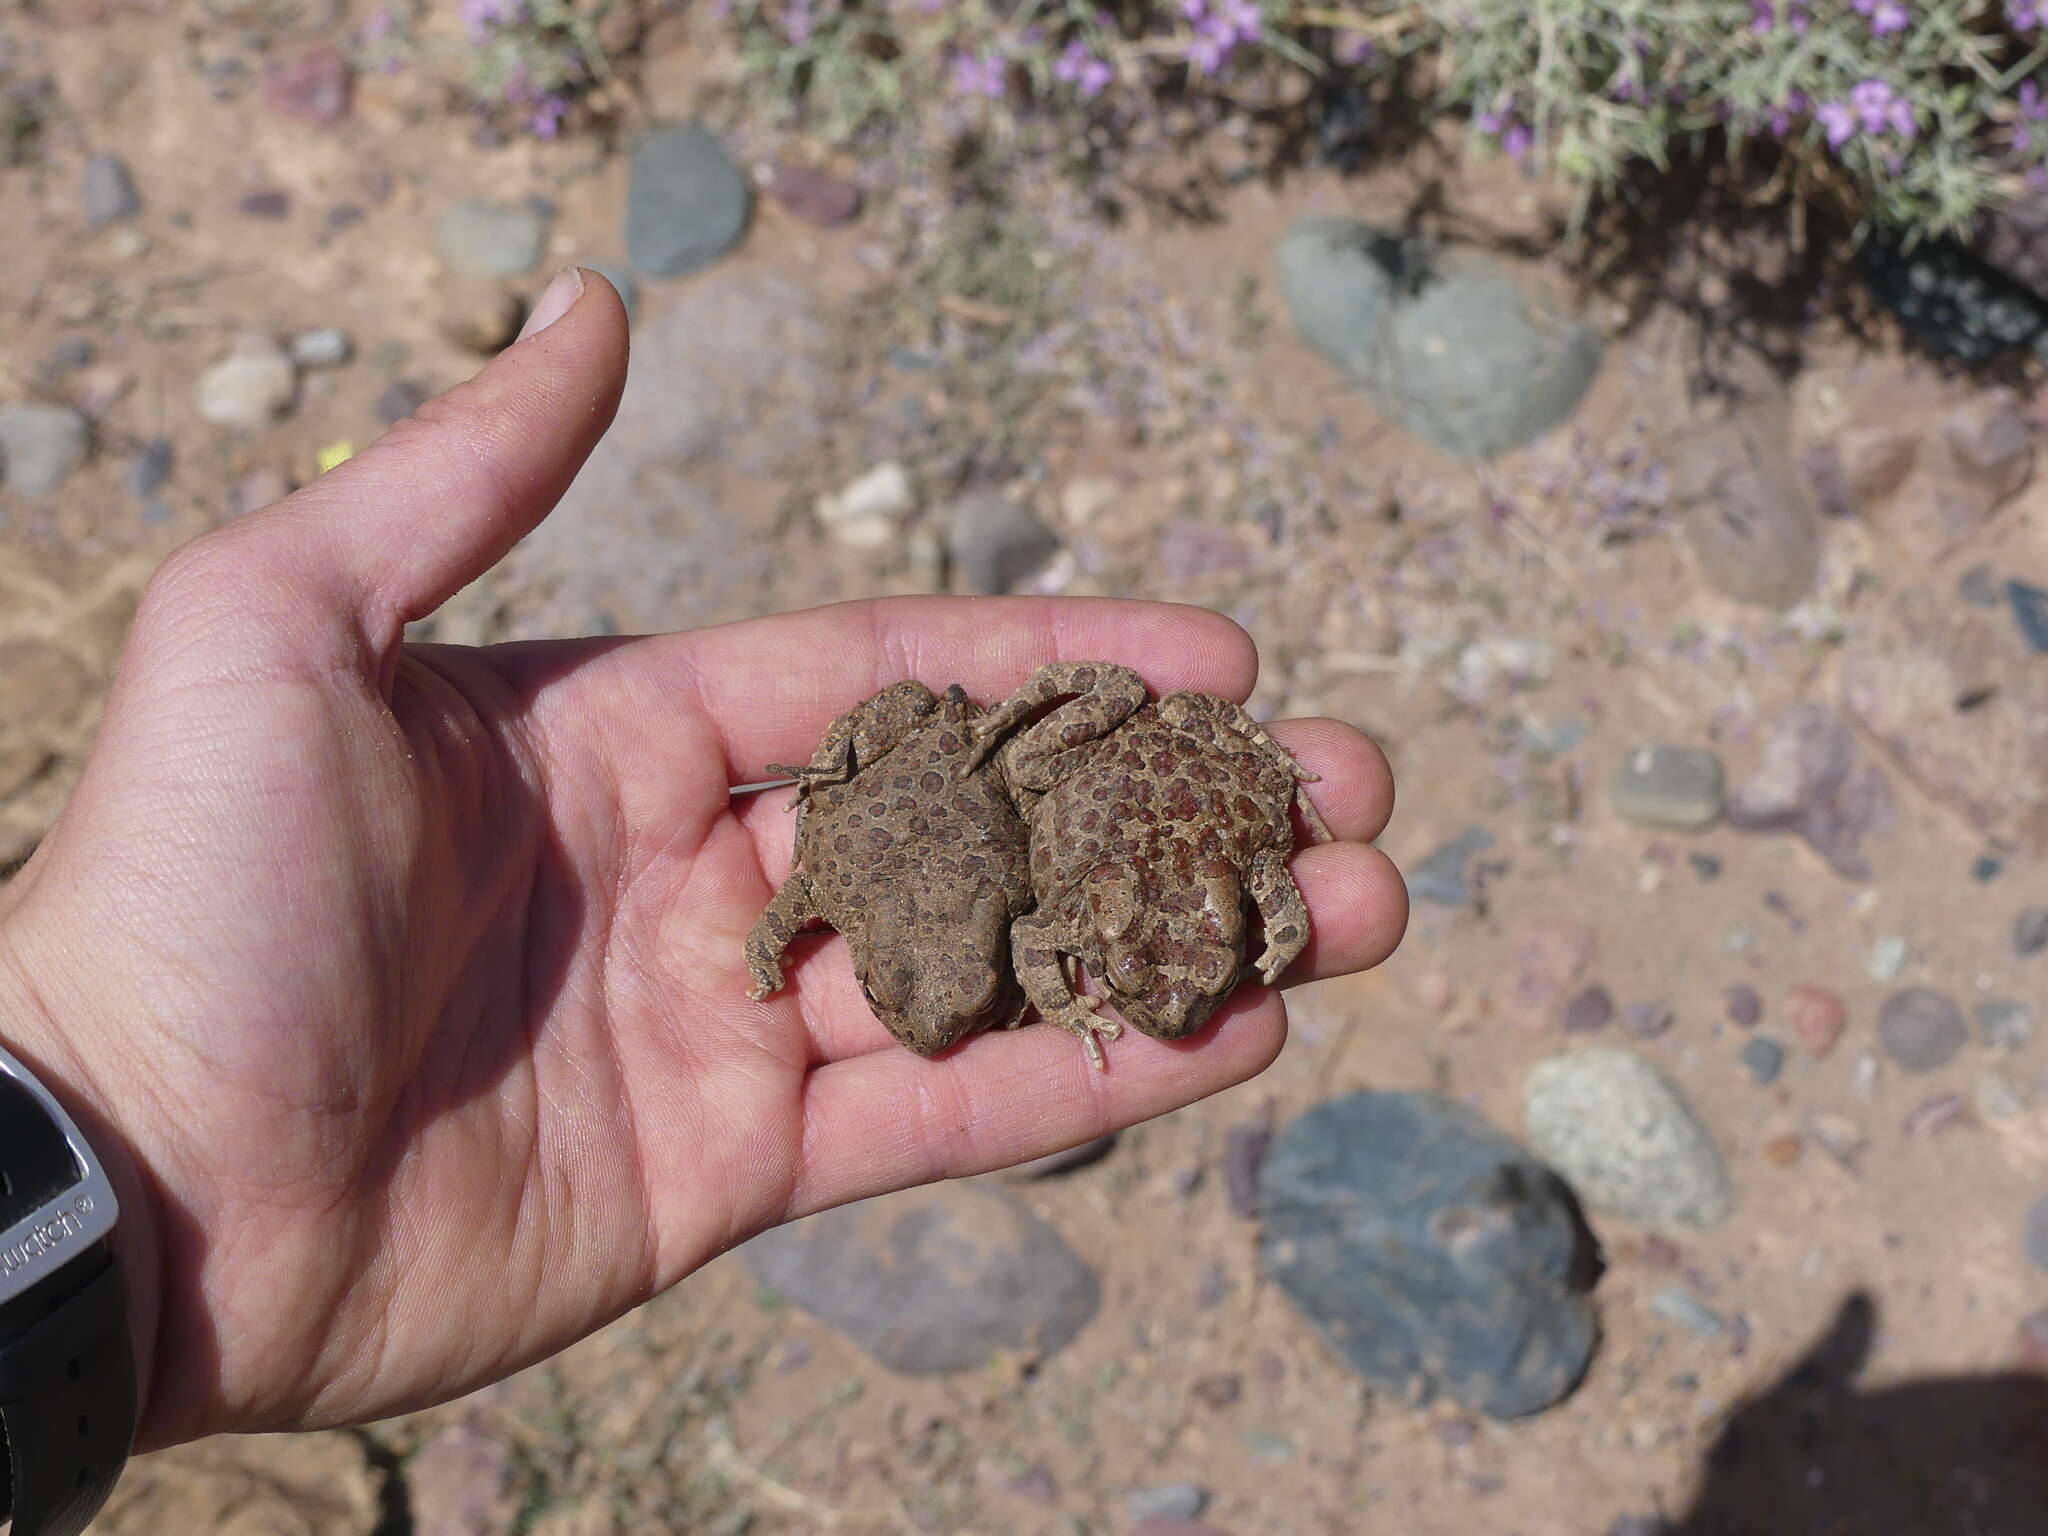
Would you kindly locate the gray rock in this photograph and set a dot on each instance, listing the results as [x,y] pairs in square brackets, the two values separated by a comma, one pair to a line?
[1244,1156]
[994,543]
[249,388]
[70,354]
[326,346]
[1169,1501]
[399,399]
[1588,1012]
[1921,1029]
[150,468]
[2037,1233]
[1433,1253]
[1440,878]
[462,1483]
[41,445]
[1765,1059]
[1668,787]
[1743,1005]
[2029,612]
[1446,344]
[108,195]
[932,1280]
[1813,783]
[1626,1140]
[687,204]
[491,239]
[2005,1024]
[2030,932]
[1646,1021]
[1678,1305]
[1065,1161]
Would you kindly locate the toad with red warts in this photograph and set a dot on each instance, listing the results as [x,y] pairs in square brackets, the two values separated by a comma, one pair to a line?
[910,846]
[1149,825]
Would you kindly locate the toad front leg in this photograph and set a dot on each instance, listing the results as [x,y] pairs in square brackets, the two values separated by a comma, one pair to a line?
[864,733]
[794,909]
[1104,695]
[1035,955]
[1282,913]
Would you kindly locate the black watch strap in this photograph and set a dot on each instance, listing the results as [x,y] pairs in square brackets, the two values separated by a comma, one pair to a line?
[67,1395]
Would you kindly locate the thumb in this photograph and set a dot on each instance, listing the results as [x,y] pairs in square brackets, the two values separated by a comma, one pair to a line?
[394,532]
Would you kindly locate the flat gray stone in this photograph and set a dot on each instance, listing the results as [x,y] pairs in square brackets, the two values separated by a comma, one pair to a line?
[1662,786]
[687,203]
[491,239]
[41,445]
[1447,345]
[1921,1029]
[932,1280]
[1431,1252]
[1440,878]
[150,468]
[249,388]
[1626,1140]
[108,192]
[1169,1501]
[994,542]
[326,346]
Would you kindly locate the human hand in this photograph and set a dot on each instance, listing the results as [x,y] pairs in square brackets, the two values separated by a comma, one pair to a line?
[401,985]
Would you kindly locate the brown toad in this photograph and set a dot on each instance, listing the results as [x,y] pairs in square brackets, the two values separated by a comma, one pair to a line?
[914,853]
[1149,823]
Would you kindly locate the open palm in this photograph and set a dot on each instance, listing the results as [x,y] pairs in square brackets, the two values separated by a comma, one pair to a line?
[407,980]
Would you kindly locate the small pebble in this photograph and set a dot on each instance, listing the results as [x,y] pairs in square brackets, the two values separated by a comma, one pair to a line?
[2037,1233]
[1173,1501]
[316,87]
[67,356]
[994,541]
[108,194]
[254,492]
[150,468]
[1244,1154]
[1435,992]
[1765,1059]
[1887,959]
[1680,1306]
[1589,1011]
[1705,865]
[1440,878]
[325,347]
[249,388]
[1920,1029]
[1646,1021]
[1816,1018]
[867,512]
[2030,932]
[1664,786]
[1639,1525]
[1978,586]
[687,204]
[1035,1483]
[817,197]
[1998,1096]
[487,239]
[1932,1116]
[1838,1136]
[2029,612]
[1269,1447]
[41,445]
[2005,1023]
[1218,1391]
[1783,1151]
[1986,869]
[1064,1161]
[271,203]
[1743,1005]
[400,399]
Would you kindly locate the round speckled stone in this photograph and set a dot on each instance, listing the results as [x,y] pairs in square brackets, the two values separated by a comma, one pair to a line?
[1920,1029]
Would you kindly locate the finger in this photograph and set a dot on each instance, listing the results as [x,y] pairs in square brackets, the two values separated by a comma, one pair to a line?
[1355,788]
[773,685]
[889,1120]
[1357,910]
[395,531]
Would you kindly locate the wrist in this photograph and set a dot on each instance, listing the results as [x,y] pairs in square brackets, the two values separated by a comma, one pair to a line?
[54,1044]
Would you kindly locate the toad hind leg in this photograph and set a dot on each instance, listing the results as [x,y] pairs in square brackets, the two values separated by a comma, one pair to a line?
[1037,963]
[1104,696]
[794,908]
[861,735]
[1282,913]
[1180,708]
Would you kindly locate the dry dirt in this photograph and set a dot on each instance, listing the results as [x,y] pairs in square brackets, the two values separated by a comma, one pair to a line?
[1157,413]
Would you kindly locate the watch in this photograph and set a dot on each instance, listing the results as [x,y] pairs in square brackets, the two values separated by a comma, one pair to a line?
[67,1367]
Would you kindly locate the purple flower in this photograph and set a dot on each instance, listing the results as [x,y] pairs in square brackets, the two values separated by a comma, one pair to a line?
[2032,107]
[479,15]
[1889,16]
[796,21]
[1354,48]
[1243,19]
[1207,52]
[547,117]
[981,75]
[2023,15]
[1082,70]
[1875,104]
[1763,16]
[1515,142]
[1839,119]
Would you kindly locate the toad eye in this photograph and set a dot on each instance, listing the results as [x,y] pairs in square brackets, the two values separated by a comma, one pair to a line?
[1128,972]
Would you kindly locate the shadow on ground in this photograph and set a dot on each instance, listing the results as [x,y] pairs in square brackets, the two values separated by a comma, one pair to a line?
[1816,1456]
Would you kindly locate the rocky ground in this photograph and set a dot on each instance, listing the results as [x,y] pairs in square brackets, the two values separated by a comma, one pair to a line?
[1715,711]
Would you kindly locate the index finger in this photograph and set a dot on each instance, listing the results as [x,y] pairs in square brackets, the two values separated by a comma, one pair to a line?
[771,686]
